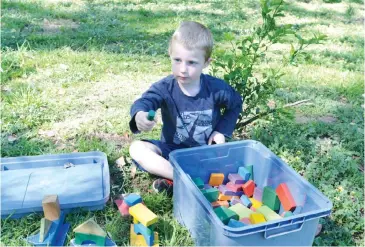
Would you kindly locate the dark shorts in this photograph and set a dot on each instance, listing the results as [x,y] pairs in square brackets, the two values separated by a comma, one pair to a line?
[164,147]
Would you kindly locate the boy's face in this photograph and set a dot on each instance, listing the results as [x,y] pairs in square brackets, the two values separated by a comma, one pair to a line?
[187,65]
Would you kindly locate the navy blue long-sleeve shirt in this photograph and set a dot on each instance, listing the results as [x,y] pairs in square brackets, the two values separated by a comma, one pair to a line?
[189,121]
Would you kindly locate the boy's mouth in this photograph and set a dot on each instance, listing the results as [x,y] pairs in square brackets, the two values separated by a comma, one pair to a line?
[183,78]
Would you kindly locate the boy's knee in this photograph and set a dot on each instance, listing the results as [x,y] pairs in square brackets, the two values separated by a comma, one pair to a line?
[136,148]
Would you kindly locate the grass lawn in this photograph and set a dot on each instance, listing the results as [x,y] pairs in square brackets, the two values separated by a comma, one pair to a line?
[71,70]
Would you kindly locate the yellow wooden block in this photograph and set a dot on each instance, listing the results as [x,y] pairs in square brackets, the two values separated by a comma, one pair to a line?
[138,240]
[256,218]
[51,207]
[222,197]
[142,214]
[255,203]
[135,221]
[216,179]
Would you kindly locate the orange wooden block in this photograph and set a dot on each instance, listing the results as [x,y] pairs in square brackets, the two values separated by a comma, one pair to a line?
[285,197]
[220,203]
[248,188]
[216,179]
[222,197]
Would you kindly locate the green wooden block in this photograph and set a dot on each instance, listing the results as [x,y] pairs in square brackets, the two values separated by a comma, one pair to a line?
[211,194]
[268,213]
[270,198]
[151,115]
[250,169]
[241,210]
[81,237]
[199,182]
[287,214]
[45,226]
[225,214]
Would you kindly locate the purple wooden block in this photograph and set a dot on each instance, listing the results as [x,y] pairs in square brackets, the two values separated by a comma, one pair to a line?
[223,189]
[235,178]
[234,201]
[257,194]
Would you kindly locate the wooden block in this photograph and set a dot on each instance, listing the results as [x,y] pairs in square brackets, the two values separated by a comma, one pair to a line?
[235,223]
[234,187]
[255,203]
[141,213]
[219,204]
[51,207]
[216,179]
[234,201]
[246,201]
[45,226]
[270,198]
[207,186]
[222,197]
[132,199]
[257,194]
[244,173]
[225,191]
[90,230]
[146,232]
[268,213]
[235,178]
[211,194]
[241,210]
[246,220]
[250,169]
[285,197]
[286,214]
[122,207]
[257,218]
[248,188]
[225,214]
[138,240]
[199,183]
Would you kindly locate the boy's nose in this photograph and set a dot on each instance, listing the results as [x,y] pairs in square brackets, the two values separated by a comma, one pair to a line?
[183,68]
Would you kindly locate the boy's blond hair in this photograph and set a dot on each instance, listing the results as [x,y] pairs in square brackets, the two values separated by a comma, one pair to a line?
[193,35]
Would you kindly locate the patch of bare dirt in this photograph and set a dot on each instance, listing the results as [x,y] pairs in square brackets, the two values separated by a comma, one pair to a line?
[121,140]
[54,26]
[302,119]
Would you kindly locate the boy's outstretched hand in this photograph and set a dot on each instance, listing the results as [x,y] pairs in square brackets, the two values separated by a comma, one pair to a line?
[143,124]
[216,137]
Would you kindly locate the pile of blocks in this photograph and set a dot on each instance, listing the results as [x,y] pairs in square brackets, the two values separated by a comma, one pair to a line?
[240,202]
[144,220]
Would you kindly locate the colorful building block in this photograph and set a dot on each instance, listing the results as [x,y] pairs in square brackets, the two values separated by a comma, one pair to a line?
[222,197]
[246,201]
[255,204]
[199,183]
[138,240]
[268,213]
[207,186]
[220,203]
[257,218]
[45,226]
[250,169]
[132,199]
[270,198]
[122,207]
[151,115]
[90,231]
[225,191]
[51,207]
[246,220]
[234,201]
[142,214]
[211,194]
[285,197]
[248,188]
[286,214]
[234,187]
[241,210]
[235,178]
[216,179]
[225,214]
[235,223]
[146,232]
[244,173]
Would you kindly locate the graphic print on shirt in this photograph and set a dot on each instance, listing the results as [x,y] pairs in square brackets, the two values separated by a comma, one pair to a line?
[194,124]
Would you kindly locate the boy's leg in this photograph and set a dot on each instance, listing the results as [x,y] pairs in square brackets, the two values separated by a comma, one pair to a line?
[148,156]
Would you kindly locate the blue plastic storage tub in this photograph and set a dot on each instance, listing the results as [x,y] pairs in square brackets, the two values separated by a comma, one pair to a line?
[195,212]
[81,180]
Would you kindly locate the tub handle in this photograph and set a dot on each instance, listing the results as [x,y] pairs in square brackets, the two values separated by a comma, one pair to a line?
[272,233]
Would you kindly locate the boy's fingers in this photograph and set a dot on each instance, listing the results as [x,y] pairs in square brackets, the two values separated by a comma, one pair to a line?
[210,140]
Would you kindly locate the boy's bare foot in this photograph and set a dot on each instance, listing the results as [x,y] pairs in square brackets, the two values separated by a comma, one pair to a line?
[163,184]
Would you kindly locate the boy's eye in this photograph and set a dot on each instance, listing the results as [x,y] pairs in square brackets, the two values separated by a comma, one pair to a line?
[192,62]
[177,60]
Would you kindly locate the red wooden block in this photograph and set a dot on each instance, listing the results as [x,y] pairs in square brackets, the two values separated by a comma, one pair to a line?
[246,221]
[234,187]
[248,188]
[285,197]
[123,207]
[220,203]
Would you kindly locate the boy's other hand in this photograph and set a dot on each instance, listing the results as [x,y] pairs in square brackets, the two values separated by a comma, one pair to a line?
[143,124]
[216,137]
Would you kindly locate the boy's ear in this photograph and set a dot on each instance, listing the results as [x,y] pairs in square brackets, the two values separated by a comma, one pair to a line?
[206,64]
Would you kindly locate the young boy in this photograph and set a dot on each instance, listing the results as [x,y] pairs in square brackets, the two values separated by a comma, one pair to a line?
[191,105]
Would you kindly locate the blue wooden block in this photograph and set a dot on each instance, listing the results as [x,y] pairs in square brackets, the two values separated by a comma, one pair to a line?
[147,233]
[244,173]
[245,201]
[133,199]
[235,223]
